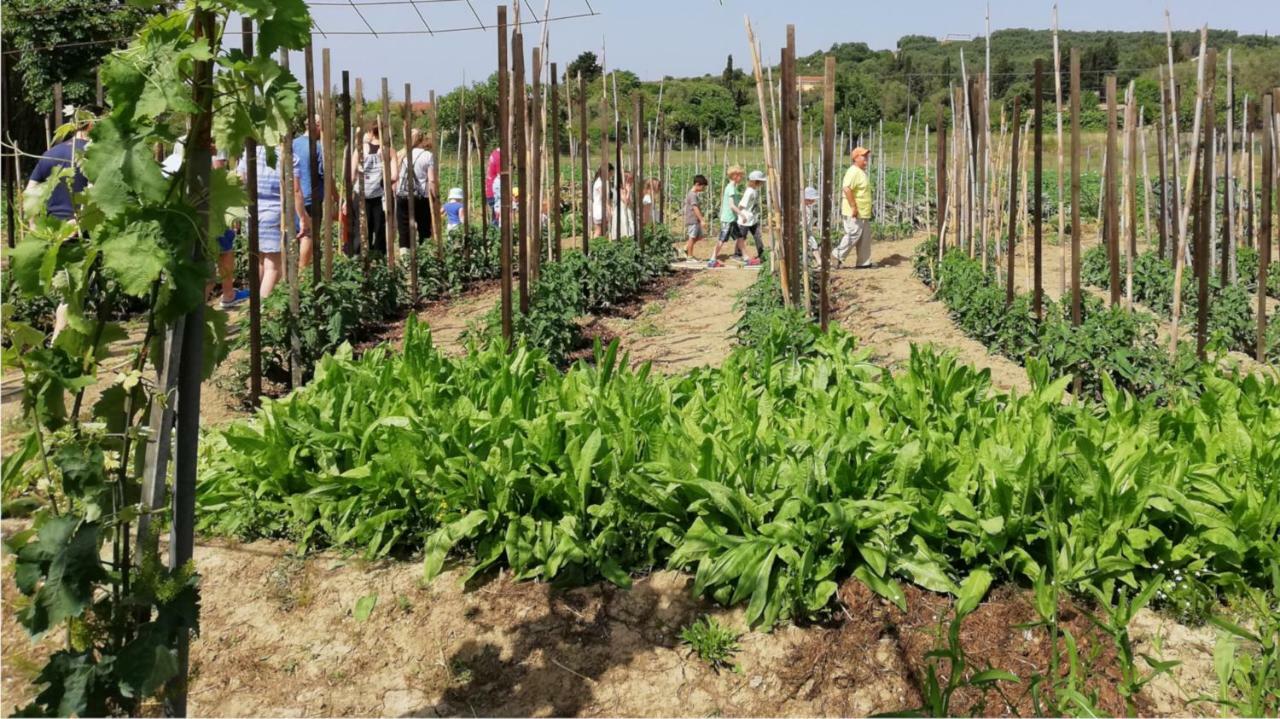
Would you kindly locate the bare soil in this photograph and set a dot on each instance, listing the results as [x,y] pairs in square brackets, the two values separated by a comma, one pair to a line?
[279,638]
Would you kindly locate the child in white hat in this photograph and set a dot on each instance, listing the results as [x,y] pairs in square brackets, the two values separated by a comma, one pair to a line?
[455,213]
[749,220]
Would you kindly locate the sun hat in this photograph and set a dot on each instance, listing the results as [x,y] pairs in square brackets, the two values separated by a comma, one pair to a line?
[859,152]
[756,176]
[455,193]
[811,193]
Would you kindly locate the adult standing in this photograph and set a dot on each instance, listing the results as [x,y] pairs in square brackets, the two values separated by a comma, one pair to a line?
[270,211]
[423,188]
[302,190]
[491,173]
[855,210]
[61,202]
[371,190]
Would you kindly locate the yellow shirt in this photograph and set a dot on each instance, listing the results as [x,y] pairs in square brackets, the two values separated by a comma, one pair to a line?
[856,179]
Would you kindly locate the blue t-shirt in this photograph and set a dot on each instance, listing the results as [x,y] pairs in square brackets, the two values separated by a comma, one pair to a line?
[302,151]
[60,156]
[451,210]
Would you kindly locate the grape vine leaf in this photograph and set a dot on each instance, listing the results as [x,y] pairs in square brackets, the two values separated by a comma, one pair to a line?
[135,256]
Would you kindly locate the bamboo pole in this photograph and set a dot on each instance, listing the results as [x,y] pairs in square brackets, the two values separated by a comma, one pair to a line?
[940,191]
[1180,245]
[1162,147]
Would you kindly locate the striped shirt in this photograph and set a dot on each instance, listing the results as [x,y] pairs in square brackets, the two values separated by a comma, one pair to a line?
[270,207]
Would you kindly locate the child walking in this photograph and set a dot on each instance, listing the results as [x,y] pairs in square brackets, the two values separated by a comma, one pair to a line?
[454,213]
[729,213]
[692,212]
[749,219]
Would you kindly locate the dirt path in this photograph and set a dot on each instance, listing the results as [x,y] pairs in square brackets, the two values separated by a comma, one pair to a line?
[691,325]
[889,309]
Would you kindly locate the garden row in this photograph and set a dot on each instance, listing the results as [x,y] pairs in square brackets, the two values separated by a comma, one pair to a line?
[1110,345]
[1232,322]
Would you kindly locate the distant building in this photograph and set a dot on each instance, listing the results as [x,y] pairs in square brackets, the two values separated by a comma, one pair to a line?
[807,83]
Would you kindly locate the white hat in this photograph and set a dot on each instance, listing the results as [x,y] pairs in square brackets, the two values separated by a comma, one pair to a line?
[455,193]
[756,176]
[810,193]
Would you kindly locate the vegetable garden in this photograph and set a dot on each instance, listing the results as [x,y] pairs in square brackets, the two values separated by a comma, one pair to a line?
[745,533]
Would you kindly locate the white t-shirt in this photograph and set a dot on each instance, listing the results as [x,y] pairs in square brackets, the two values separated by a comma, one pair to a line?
[423,161]
[750,199]
[597,206]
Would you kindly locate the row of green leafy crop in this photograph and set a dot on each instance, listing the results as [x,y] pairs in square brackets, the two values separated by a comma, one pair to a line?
[1109,344]
[771,476]
[352,302]
[612,273]
[1232,322]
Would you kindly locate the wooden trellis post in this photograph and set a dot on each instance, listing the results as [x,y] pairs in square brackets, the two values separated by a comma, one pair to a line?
[828,161]
[1037,183]
[388,190]
[584,167]
[1204,205]
[504,180]
[637,187]
[605,209]
[533,199]
[1229,208]
[555,165]
[1013,201]
[1075,190]
[1264,225]
[1111,221]
[940,192]
[290,255]
[330,202]
[465,182]
[1130,188]
[434,208]
[251,232]
[519,106]
[351,132]
[410,181]
[316,210]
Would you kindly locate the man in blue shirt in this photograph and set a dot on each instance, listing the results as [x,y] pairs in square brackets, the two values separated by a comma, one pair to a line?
[64,154]
[302,195]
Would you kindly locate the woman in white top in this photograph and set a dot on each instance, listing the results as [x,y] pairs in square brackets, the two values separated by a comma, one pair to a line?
[375,215]
[423,188]
[599,197]
[627,216]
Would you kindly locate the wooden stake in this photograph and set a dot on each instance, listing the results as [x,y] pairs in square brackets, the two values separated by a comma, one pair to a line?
[533,198]
[555,165]
[1162,149]
[351,240]
[1037,182]
[1229,238]
[828,161]
[504,181]
[316,210]
[1057,97]
[1111,224]
[255,252]
[1264,226]
[388,189]
[410,182]
[637,186]
[1075,190]
[289,255]
[1131,188]
[584,167]
[941,191]
[1180,240]
[1013,201]
[1203,259]
[328,201]
[519,106]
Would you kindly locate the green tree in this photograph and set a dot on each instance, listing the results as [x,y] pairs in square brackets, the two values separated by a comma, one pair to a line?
[585,64]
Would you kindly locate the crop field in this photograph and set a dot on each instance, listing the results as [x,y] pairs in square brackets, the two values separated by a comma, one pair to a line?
[988,428]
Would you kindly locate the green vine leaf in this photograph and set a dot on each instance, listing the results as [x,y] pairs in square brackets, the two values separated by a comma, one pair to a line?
[65,553]
[135,256]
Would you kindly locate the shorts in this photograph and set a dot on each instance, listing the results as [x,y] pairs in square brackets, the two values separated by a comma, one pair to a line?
[728,230]
[693,231]
[227,241]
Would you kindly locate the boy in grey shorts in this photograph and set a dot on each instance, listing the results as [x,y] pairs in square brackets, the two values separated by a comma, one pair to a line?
[692,212]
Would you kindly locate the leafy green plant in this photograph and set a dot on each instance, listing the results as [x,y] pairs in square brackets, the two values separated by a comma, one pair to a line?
[141,241]
[713,642]
[771,477]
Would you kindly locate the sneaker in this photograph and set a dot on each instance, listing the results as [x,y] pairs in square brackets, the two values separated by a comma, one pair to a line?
[866,265]
[714,263]
[240,298]
[754,262]
[738,258]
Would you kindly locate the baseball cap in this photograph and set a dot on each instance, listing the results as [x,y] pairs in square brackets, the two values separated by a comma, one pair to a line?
[860,151]
[756,176]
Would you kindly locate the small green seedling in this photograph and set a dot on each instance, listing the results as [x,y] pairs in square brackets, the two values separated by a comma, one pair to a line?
[713,642]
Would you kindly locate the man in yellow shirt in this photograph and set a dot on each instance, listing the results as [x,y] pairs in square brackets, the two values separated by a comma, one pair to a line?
[855,210]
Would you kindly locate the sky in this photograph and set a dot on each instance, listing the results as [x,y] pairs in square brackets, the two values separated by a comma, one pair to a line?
[694,37]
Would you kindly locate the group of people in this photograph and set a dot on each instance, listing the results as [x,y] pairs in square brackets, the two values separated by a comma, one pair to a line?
[739,215]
